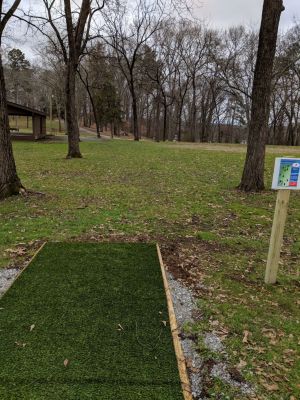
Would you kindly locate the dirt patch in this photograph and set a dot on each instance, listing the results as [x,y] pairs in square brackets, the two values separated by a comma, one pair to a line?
[185,259]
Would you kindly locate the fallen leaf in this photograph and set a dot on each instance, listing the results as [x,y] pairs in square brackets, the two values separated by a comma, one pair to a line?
[271,388]
[242,364]
[20,344]
[246,335]
[19,251]
[190,365]
[289,351]
[66,362]
[164,322]
[32,327]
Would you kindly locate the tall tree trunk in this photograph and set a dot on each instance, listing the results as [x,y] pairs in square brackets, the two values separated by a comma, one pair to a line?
[9,181]
[59,116]
[179,121]
[71,114]
[157,121]
[253,174]
[149,117]
[135,118]
[95,115]
[193,112]
[165,122]
[86,120]
[136,132]
[93,105]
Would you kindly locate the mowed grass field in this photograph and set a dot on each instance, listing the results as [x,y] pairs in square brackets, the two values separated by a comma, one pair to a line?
[184,197]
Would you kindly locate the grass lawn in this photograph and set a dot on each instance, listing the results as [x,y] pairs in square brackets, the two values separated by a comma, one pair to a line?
[184,197]
[88,321]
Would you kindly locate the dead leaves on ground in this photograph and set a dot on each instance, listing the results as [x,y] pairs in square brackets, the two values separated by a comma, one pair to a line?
[120,327]
[246,336]
[20,344]
[66,362]
[18,251]
[241,365]
[273,335]
[270,387]
[22,253]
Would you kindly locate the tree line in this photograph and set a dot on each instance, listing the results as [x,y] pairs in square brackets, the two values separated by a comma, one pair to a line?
[183,82]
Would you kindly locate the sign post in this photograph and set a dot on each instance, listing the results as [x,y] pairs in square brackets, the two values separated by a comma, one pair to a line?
[286,178]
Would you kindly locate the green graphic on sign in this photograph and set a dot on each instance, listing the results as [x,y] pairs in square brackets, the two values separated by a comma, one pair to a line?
[284,175]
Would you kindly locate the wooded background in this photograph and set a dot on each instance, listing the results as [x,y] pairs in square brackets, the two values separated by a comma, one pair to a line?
[164,78]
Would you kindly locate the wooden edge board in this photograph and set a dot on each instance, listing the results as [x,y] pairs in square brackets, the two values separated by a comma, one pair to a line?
[184,378]
[23,269]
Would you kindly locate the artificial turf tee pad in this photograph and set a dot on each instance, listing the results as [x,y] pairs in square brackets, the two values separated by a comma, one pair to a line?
[88,321]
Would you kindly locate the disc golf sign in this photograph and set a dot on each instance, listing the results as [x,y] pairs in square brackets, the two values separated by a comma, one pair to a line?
[286,177]
[286,174]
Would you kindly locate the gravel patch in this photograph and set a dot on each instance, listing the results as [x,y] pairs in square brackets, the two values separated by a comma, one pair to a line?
[220,371]
[195,364]
[213,342]
[7,276]
[184,305]
[183,301]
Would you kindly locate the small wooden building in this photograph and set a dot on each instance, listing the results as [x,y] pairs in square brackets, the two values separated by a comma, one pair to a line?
[38,119]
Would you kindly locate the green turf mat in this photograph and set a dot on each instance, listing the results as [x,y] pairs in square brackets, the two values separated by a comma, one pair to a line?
[100,306]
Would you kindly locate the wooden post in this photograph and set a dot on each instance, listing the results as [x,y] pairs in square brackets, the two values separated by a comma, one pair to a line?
[282,202]
[51,113]
[184,378]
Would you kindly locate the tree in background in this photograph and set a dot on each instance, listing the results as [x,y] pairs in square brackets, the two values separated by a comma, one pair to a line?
[18,78]
[17,60]
[68,27]
[101,88]
[253,174]
[128,39]
[108,107]
[189,81]
[10,183]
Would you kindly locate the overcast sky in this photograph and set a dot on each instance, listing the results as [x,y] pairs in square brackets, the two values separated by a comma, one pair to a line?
[217,13]
[223,13]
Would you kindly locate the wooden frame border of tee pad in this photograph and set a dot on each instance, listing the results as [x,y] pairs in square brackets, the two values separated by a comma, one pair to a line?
[184,379]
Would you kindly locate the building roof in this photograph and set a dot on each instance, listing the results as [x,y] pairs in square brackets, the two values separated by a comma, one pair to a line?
[18,109]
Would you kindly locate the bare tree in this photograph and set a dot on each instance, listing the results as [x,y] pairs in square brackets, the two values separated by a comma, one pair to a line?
[168,77]
[253,174]
[68,27]
[10,183]
[161,72]
[236,66]
[89,78]
[128,40]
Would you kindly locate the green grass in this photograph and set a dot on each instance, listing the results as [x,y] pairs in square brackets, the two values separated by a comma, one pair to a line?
[183,196]
[103,308]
